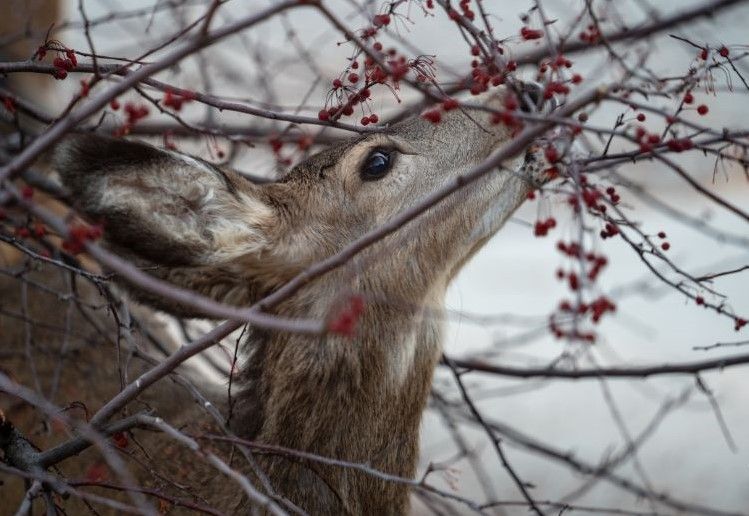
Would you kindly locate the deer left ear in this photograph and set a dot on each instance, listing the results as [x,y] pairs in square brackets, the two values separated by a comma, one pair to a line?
[198,224]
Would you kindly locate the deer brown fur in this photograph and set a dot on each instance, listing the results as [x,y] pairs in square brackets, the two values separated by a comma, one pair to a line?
[358,399]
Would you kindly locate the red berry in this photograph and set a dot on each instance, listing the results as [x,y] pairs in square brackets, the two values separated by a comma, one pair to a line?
[688,97]
[665,246]
[433,116]
[577,78]
[723,51]
[540,229]
[449,104]
[381,19]
[641,117]
[573,281]
[39,230]
[702,109]
[9,104]
[511,102]
[551,153]
[120,439]
[373,119]
[276,145]
[475,50]
[527,33]
[346,322]
[337,83]
[352,77]
[95,232]
[509,119]
[323,115]
[71,56]
[114,104]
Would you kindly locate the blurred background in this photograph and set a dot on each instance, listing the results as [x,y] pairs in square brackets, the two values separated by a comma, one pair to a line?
[698,449]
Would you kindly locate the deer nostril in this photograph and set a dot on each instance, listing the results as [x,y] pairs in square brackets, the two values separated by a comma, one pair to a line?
[531,96]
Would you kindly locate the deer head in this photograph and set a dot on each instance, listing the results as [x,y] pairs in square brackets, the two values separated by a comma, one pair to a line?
[211,230]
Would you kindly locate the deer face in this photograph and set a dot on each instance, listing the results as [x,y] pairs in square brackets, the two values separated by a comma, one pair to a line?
[346,191]
[211,230]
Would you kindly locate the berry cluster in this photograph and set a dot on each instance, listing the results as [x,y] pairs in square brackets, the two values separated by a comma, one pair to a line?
[134,113]
[176,100]
[591,34]
[679,144]
[647,141]
[542,227]
[377,66]
[528,34]
[465,8]
[65,61]
[592,264]
[64,65]
[79,234]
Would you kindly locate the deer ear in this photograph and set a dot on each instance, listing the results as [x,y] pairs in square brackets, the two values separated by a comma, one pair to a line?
[198,224]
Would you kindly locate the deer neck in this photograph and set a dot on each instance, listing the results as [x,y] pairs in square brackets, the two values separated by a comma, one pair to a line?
[357,399]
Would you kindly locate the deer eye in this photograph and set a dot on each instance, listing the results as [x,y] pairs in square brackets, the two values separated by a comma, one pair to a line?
[377,165]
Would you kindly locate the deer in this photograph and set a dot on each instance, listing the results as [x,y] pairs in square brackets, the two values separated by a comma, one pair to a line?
[356,398]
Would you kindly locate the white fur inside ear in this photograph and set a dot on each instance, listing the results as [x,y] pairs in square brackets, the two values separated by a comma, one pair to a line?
[190,199]
[236,237]
[232,224]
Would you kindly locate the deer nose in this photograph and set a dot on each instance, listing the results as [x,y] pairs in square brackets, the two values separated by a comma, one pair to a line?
[531,95]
